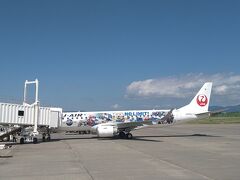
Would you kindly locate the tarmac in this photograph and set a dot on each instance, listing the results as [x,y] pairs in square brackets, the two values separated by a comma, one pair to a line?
[187,152]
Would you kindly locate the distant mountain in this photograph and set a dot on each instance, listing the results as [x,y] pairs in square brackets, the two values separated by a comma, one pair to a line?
[235,108]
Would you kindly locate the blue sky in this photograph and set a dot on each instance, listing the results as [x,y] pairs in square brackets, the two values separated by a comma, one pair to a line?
[88,55]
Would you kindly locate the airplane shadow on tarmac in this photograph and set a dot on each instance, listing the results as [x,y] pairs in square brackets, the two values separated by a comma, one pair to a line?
[135,138]
[146,138]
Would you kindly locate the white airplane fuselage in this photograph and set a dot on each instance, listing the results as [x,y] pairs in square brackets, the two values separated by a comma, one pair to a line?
[110,123]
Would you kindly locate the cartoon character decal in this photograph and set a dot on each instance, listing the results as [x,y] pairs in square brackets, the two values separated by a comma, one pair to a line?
[92,119]
[69,122]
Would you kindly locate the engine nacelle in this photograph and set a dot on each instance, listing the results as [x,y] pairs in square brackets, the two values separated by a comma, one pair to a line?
[106,131]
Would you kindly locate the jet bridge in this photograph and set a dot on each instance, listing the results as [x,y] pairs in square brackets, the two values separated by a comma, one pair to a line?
[12,114]
[32,118]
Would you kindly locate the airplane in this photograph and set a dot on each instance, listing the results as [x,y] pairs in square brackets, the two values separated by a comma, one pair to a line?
[121,123]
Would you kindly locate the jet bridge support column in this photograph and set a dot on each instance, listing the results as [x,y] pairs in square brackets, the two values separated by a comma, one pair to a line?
[36,117]
[36,104]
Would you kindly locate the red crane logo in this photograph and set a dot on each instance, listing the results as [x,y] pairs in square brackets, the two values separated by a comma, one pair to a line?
[202,100]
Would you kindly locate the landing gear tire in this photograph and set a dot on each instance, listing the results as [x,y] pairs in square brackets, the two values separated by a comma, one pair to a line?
[22,140]
[122,135]
[43,137]
[35,140]
[14,139]
[129,135]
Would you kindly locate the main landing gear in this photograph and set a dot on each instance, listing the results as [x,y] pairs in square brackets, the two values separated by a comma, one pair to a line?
[124,135]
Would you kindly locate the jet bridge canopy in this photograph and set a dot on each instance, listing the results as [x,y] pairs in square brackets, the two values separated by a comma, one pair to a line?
[24,115]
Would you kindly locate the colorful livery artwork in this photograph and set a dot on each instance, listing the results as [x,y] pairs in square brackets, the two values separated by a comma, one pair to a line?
[94,118]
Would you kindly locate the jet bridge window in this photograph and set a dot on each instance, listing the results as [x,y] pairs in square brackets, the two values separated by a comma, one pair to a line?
[20,113]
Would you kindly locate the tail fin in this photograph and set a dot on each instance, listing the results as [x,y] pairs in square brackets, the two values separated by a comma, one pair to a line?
[200,102]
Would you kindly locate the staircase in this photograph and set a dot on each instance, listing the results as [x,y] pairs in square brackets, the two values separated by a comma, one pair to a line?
[9,131]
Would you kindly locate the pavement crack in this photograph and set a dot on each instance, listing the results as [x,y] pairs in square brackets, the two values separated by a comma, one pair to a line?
[76,155]
[167,162]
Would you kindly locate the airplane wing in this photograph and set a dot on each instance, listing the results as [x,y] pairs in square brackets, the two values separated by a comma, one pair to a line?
[167,119]
[123,129]
[132,125]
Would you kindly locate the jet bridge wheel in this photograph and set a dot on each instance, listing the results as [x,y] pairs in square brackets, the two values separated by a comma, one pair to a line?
[22,140]
[35,140]
[43,137]
[48,137]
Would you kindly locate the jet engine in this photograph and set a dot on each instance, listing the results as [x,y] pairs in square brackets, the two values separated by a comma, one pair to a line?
[106,131]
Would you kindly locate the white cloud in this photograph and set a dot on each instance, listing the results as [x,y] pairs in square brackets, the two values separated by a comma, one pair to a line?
[220,89]
[226,86]
[116,106]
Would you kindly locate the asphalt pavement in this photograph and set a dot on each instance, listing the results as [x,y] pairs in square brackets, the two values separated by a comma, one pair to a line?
[175,152]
